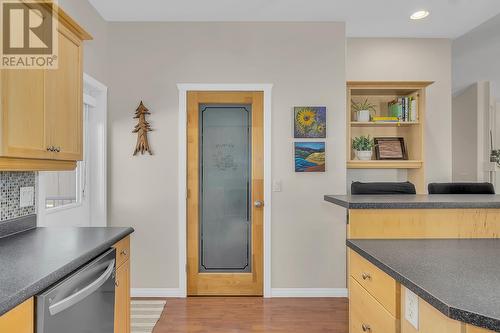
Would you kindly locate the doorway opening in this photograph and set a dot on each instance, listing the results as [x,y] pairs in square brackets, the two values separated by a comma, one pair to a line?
[225,206]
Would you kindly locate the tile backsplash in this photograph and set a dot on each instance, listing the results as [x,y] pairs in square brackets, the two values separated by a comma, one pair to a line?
[10,184]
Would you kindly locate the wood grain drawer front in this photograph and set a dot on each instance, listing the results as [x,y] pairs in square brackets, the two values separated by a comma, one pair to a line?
[20,319]
[380,285]
[366,315]
[122,251]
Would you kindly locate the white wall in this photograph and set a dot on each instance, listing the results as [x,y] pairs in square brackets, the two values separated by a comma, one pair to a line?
[306,64]
[410,59]
[465,114]
[476,57]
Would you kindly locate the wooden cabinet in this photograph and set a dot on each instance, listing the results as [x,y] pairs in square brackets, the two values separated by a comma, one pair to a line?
[41,111]
[64,99]
[23,114]
[374,298]
[122,299]
[366,314]
[377,304]
[122,296]
[20,319]
[383,288]
[474,329]
[431,320]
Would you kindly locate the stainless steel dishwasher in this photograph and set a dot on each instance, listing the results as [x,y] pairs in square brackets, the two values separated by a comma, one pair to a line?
[83,302]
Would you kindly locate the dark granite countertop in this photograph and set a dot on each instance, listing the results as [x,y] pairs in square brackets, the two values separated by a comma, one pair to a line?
[33,260]
[460,278]
[410,201]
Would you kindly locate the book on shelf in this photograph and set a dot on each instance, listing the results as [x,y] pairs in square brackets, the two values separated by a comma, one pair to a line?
[405,109]
[385,119]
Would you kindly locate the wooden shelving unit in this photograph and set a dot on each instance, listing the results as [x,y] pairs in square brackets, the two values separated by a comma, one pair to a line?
[380,94]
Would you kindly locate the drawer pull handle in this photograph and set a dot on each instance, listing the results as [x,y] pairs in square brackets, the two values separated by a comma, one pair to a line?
[366,276]
[58,149]
[366,328]
[123,252]
[50,148]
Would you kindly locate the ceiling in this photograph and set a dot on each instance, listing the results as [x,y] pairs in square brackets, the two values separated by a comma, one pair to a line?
[364,18]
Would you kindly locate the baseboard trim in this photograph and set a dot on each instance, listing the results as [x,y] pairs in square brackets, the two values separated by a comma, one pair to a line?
[309,292]
[156,292]
[275,292]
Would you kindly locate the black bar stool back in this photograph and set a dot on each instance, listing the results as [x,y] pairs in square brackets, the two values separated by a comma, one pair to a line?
[461,188]
[381,188]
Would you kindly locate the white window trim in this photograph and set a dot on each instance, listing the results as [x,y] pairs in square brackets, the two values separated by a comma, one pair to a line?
[183,89]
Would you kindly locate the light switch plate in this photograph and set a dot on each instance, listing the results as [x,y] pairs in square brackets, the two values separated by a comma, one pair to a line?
[277,185]
[411,308]
[27,196]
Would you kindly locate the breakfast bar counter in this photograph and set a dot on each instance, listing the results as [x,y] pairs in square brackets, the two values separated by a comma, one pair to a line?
[420,216]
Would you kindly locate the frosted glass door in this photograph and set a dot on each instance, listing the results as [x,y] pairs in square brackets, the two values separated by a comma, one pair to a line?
[225,174]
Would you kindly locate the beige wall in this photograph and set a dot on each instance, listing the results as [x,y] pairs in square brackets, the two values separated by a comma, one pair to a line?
[465,134]
[411,60]
[306,64]
[475,57]
[95,55]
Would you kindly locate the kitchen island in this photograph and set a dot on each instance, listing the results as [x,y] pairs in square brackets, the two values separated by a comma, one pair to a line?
[420,216]
[454,282]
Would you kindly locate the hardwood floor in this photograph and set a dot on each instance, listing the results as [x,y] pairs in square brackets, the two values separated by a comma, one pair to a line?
[254,314]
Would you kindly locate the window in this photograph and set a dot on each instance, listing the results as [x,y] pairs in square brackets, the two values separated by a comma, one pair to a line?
[67,188]
[62,189]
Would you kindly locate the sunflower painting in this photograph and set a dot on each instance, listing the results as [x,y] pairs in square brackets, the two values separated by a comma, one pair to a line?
[309,122]
[309,156]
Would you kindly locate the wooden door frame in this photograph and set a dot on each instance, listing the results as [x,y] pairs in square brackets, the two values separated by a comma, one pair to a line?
[182,186]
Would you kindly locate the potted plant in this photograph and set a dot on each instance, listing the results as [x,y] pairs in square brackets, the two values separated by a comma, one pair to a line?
[363,110]
[363,146]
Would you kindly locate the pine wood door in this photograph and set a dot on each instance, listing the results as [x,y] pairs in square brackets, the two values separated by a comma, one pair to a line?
[205,282]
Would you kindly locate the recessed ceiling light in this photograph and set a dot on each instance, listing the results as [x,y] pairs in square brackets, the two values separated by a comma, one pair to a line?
[419,15]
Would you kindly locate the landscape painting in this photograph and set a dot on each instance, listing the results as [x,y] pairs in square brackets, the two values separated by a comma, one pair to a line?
[309,122]
[309,157]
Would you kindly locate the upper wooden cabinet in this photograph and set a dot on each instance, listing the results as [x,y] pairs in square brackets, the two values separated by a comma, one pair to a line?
[41,111]
[64,99]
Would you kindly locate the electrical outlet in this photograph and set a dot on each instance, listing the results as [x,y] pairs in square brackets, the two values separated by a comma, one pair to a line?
[411,308]
[277,185]
[26,196]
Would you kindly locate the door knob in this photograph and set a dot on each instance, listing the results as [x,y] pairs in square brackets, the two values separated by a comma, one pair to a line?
[258,203]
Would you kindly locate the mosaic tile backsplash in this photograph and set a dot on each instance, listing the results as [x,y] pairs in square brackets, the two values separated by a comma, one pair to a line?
[10,184]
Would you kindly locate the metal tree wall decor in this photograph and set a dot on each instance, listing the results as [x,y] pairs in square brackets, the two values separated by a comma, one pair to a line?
[142,128]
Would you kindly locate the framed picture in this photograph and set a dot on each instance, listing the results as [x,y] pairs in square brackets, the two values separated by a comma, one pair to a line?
[309,156]
[309,122]
[390,149]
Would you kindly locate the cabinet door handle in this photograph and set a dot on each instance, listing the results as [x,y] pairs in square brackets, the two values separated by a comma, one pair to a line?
[366,276]
[366,328]
[58,149]
[117,283]
[50,148]
[124,252]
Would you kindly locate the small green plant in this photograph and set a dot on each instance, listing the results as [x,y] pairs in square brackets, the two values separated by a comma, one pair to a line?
[363,105]
[362,143]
